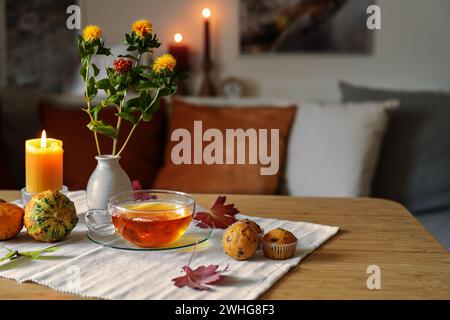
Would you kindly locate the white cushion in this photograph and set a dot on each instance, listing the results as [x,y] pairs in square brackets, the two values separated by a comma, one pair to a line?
[333,148]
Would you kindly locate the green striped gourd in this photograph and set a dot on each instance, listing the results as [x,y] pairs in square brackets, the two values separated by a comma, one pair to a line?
[50,216]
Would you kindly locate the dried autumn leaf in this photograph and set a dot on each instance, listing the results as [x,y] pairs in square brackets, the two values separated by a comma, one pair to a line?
[198,279]
[220,216]
[136,185]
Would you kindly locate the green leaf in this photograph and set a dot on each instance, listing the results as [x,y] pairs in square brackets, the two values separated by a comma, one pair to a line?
[51,249]
[148,76]
[113,99]
[103,84]
[146,85]
[104,129]
[132,103]
[127,38]
[128,56]
[91,88]
[110,72]
[104,51]
[37,254]
[85,61]
[146,99]
[95,111]
[127,116]
[28,254]
[83,72]
[165,92]
[96,70]
[153,107]
[147,117]
[9,255]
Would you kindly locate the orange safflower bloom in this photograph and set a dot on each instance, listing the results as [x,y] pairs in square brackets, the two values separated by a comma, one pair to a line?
[123,66]
[164,62]
[91,33]
[142,28]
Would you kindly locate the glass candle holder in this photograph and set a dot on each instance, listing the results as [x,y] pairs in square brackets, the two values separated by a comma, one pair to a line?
[26,196]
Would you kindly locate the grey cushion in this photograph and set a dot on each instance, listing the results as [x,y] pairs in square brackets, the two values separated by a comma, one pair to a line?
[437,222]
[414,164]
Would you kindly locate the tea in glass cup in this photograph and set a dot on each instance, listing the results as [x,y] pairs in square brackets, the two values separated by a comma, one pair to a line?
[150,218]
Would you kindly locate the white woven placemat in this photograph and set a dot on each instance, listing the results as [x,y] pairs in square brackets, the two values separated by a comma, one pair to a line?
[89,270]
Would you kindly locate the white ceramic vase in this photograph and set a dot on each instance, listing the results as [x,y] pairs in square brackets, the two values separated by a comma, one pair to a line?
[107,180]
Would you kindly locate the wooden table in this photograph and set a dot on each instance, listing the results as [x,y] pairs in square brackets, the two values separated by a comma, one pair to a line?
[413,264]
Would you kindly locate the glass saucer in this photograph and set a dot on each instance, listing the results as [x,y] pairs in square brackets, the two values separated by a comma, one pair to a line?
[193,235]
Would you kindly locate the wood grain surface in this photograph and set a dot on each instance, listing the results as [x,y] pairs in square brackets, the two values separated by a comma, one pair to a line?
[413,264]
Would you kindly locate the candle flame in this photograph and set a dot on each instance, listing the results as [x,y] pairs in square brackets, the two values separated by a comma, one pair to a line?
[178,37]
[44,139]
[206,13]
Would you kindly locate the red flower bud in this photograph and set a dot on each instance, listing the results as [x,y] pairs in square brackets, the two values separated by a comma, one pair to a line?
[123,66]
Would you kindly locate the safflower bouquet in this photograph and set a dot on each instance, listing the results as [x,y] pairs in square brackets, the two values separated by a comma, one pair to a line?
[125,75]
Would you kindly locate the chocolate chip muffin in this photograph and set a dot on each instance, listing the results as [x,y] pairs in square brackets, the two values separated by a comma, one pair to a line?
[279,244]
[240,241]
[256,227]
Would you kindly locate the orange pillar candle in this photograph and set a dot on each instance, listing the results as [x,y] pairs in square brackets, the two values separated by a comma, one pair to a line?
[44,164]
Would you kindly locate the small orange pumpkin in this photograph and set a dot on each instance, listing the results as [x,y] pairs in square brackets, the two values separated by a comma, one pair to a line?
[11,220]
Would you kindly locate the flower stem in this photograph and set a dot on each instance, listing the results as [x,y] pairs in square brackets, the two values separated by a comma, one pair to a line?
[136,124]
[97,144]
[88,103]
[129,136]
[119,121]
[192,255]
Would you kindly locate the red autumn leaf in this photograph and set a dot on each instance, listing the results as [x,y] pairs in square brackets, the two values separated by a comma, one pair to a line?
[200,277]
[220,216]
[136,185]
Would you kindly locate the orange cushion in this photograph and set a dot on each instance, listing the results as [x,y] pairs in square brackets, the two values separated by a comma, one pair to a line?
[142,158]
[225,178]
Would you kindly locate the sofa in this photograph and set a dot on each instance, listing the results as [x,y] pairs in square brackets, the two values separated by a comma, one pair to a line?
[380,143]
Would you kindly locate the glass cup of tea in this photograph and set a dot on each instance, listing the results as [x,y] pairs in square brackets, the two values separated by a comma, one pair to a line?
[144,218]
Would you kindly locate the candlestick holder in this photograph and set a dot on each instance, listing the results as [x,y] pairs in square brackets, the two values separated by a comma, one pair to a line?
[207,89]
[26,196]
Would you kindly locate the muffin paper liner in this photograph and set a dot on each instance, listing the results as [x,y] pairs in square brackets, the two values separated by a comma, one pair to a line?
[279,251]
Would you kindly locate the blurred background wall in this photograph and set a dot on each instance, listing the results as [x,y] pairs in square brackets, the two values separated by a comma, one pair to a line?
[410,51]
